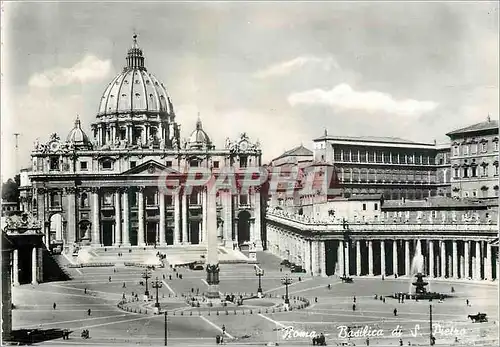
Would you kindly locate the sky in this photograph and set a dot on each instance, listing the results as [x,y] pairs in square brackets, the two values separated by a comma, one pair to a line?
[282,72]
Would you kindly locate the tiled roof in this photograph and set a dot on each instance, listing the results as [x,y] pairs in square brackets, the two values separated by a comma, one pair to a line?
[487,125]
[368,139]
[297,151]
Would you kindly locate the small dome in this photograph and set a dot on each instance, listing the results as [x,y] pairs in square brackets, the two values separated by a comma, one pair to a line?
[135,90]
[199,137]
[77,136]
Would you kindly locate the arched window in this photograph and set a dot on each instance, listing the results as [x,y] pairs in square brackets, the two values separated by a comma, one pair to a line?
[55,199]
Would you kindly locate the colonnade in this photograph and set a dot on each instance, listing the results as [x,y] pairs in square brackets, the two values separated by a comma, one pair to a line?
[36,265]
[365,255]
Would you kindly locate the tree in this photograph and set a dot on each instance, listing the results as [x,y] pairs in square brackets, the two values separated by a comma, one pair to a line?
[10,189]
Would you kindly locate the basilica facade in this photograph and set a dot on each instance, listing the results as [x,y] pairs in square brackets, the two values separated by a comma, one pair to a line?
[105,189]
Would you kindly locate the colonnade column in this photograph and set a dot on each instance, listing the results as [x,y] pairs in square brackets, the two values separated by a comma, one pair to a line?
[204,218]
[370,258]
[340,257]
[407,258]
[442,245]
[314,258]
[184,219]
[322,258]
[347,257]
[488,274]
[34,266]
[467,259]
[358,258]
[227,215]
[163,239]
[431,259]
[382,258]
[478,260]
[140,214]
[118,218]
[15,267]
[395,257]
[96,228]
[126,216]
[177,215]
[455,259]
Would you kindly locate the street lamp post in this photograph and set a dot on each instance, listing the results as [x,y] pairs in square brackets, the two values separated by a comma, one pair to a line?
[146,276]
[345,226]
[156,285]
[166,328]
[286,281]
[259,272]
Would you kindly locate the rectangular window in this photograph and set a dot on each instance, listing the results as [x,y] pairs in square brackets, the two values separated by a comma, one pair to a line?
[337,155]
[495,145]
[474,171]
[243,161]
[465,150]
[473,149]
[417,160]
[484,147]
[364,207]
[355,157]
[54,163]
[457,173]
[133,164]
[107,165]
[216,164]
[168,163]
[466,172]
[371,157]
[376,207]
[83,165]
[107,199]
[484,171]
[193,163]
[379,157]
[243,199]
[496,170]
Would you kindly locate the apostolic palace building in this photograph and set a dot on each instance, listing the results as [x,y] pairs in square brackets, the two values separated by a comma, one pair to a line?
[102,189]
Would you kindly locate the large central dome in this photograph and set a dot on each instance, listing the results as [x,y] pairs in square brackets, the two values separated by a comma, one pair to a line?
[135,91]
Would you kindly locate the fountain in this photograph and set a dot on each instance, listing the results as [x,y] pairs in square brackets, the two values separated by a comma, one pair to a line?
[419,285]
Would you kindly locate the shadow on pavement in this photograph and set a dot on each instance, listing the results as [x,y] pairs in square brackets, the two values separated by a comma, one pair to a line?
[29,336]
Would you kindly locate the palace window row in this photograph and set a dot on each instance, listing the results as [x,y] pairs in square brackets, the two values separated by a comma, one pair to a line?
[475,171]
[474,148]
[363,156]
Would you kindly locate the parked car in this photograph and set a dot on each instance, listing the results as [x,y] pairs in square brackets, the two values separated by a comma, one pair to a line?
[285,262]
[297,268]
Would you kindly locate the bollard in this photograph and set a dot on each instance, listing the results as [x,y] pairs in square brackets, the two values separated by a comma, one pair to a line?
[190,313]
[227,313]
[217,313]
[209,313]
[234,311]
[251,312]
[182,313]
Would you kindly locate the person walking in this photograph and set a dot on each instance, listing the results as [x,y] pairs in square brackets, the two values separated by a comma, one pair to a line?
[54,305]
[354,299]
[395,312]
[89,312]
[354,307]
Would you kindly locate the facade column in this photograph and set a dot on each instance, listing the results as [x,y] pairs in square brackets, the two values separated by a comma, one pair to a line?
[478,260]
[307,256]
[488,274]
[15,267]
[431,259]
[370,258]
[407,258]
[70,236]
[184,219]
[177,219]
[34,266]
[455,259]
[96,227]
[140,217]
[358,258]
[126,218]
[382,258]
[118,218]
[443,258]
[228,222]
[467,259]
[395,257]
[258,220]
[163,239]
[314,257]
[204,220]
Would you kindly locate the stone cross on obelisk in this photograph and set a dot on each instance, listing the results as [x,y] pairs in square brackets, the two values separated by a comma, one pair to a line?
[212,259]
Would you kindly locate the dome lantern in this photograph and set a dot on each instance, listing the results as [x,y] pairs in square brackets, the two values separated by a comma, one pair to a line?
[135,58]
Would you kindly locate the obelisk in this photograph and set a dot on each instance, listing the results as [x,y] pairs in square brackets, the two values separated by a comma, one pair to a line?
[212,259]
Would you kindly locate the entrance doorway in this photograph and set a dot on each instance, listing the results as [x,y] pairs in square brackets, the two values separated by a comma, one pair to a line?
[107,233]
[56,227]
[195,232]
[243,227]
[151,233]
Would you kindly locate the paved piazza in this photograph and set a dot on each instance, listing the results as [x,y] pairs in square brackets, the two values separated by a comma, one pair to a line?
[110,325]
